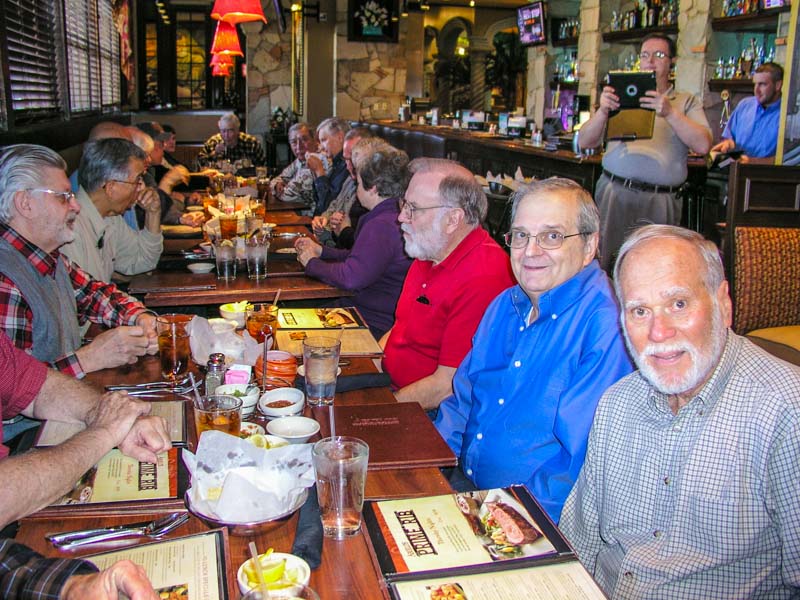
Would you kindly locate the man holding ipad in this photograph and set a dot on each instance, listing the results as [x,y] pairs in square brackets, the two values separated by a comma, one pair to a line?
[641,177]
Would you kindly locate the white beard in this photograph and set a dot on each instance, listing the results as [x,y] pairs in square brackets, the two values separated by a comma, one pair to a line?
[426,245]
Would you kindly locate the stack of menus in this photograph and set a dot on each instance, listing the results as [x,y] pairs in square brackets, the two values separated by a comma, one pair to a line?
[485,545]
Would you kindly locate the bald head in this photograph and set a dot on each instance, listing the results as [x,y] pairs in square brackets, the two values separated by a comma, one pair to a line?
[109,129]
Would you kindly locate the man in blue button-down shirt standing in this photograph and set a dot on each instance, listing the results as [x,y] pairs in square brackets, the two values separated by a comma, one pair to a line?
[544,352]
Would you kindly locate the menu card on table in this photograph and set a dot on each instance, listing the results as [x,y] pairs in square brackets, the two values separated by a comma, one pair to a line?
[121,484]
[489,545]
[400,435]
[52,433]
[194,567]
[296,324]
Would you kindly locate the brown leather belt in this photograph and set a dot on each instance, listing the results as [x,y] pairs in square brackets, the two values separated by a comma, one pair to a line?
[635,184]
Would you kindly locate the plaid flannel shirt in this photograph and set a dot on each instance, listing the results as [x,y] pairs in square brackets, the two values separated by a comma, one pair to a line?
[247,147]
[97,301]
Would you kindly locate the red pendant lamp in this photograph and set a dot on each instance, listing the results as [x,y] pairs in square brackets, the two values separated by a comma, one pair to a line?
[238,11]
[221,60]
[221,70]
[226,40]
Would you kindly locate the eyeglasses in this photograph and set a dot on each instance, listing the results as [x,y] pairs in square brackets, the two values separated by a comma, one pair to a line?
[64,197]
[656,54]
[549,240]
[139,179]
[409,209]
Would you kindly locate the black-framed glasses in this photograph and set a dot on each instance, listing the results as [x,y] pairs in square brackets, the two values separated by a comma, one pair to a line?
[548,240]
[410,209]
[648,55]
[64,197]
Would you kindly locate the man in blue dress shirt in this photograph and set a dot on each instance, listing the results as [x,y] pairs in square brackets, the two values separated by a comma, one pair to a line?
[753,126]
[544,352]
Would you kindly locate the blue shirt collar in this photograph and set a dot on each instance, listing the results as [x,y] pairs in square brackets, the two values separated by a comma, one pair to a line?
[560,298]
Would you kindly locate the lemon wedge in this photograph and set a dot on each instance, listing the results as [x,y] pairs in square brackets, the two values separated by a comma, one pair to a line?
[259,441]
[227,243]
[271,570]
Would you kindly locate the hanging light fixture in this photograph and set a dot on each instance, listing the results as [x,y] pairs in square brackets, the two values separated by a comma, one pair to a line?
[221,60]
[221,71]
[226,40]
[238,11]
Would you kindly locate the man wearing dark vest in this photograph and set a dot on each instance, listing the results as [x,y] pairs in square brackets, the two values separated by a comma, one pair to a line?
[44,298]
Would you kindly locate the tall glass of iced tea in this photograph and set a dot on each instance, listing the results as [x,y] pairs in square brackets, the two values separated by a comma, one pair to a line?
[173,344]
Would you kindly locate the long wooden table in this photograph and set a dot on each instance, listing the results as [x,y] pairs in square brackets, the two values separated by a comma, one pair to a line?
[179,287]
[346,571]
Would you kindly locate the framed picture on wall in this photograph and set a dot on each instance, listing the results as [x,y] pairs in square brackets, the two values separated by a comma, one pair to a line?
[373,20]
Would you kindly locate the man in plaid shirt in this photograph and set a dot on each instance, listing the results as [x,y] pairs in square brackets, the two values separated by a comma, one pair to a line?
[230,144]
[44,298]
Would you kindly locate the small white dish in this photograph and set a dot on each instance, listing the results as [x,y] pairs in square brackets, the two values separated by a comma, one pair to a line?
[295,430]
[283,395]
[295,564]
[248,394]
[201,267]
[249,429]
[226,311]
[301,370]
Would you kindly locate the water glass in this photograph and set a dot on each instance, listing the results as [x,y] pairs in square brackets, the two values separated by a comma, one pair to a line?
[256,248]
[173,345]
[225,254]
[321,362]
[296,591]
[340,464]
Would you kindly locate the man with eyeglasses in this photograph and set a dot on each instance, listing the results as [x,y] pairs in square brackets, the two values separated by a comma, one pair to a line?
[545,351]
[296,182]
[111,177]
[328,166]
[44,297]
[458,271]
[230,144]
[641,178]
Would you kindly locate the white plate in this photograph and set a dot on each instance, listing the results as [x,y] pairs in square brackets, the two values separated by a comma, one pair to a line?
[249,429]
[201,267]
[301,370]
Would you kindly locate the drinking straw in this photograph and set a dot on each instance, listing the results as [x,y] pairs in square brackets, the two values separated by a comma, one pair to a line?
[277,296]
[339,335]
[262,585]
[198,401]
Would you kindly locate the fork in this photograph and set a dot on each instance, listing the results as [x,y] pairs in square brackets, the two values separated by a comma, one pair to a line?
[155,529]
[147,386]
[178,389]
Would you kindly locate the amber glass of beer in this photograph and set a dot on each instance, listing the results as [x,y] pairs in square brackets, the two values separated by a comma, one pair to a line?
[173,344]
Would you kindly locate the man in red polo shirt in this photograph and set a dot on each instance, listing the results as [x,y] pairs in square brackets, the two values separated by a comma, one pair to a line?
[458,271]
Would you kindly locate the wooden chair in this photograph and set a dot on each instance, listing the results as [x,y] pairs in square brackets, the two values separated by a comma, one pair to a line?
[761,249]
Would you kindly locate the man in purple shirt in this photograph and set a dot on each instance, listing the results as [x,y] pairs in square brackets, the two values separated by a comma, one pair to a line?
[376,266]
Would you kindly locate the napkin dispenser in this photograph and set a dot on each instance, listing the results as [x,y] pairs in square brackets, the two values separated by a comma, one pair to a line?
[474,120]
[517,126]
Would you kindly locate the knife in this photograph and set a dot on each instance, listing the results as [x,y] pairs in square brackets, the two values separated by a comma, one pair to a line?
[158,526]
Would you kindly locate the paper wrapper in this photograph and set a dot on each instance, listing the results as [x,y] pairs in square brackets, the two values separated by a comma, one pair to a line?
[236,348]
[235,482]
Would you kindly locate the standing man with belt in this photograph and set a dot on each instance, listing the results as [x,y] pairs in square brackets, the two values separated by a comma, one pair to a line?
[641,178]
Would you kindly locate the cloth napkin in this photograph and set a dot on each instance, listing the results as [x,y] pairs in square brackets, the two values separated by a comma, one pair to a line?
[308,535]
[348,383]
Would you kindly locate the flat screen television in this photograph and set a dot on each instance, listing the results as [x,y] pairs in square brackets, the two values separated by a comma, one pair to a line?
[530,22]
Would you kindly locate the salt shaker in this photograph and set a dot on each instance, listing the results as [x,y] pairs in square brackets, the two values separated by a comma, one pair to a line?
[215,372]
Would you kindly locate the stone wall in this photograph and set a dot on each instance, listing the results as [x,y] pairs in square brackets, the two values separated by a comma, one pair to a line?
[269,73]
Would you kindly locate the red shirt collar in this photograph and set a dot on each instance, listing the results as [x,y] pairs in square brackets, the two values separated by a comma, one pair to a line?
[42,261]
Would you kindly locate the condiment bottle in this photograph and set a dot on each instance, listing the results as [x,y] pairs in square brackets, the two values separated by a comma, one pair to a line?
[215,372]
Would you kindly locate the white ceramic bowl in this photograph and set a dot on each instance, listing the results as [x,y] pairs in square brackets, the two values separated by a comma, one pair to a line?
[240,390]
[294,563]
[295,430]
[226,312]
[201,267]
[297,398]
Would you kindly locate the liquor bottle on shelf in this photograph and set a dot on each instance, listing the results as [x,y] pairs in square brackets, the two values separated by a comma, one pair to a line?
[719,72]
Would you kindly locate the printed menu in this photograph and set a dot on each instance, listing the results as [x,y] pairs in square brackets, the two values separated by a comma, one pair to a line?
[123,484]
[194,567]
[488,544]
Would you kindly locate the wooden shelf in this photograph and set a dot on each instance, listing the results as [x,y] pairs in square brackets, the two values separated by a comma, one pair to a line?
[762,21]
[741,85]
[631,36]
[565,85]
[565,43]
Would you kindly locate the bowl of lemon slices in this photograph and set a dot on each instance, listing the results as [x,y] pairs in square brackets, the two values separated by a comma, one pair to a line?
[281,572]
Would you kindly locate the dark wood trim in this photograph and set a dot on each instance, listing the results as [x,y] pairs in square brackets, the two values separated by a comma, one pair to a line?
[631,36]
[59,135]
[763,21]
[741,85]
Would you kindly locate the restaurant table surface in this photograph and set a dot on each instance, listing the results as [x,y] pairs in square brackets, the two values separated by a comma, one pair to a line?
[346,570]
[180,287]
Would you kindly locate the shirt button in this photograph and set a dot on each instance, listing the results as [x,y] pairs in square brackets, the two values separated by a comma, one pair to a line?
[469,472]
[667,481]
[522,328]
[517,363]
[554,316]
[479,436]
[501,401]
[424,285]
[657,533]
[628,575]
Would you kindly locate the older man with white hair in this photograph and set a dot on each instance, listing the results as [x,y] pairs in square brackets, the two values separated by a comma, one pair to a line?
[231,144]
[690,487]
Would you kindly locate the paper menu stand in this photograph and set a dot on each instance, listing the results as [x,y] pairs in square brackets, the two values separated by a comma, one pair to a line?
[498,536]
[193,567]
[295,324]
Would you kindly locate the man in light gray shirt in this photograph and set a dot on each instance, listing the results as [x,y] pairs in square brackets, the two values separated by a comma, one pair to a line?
[641,178]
